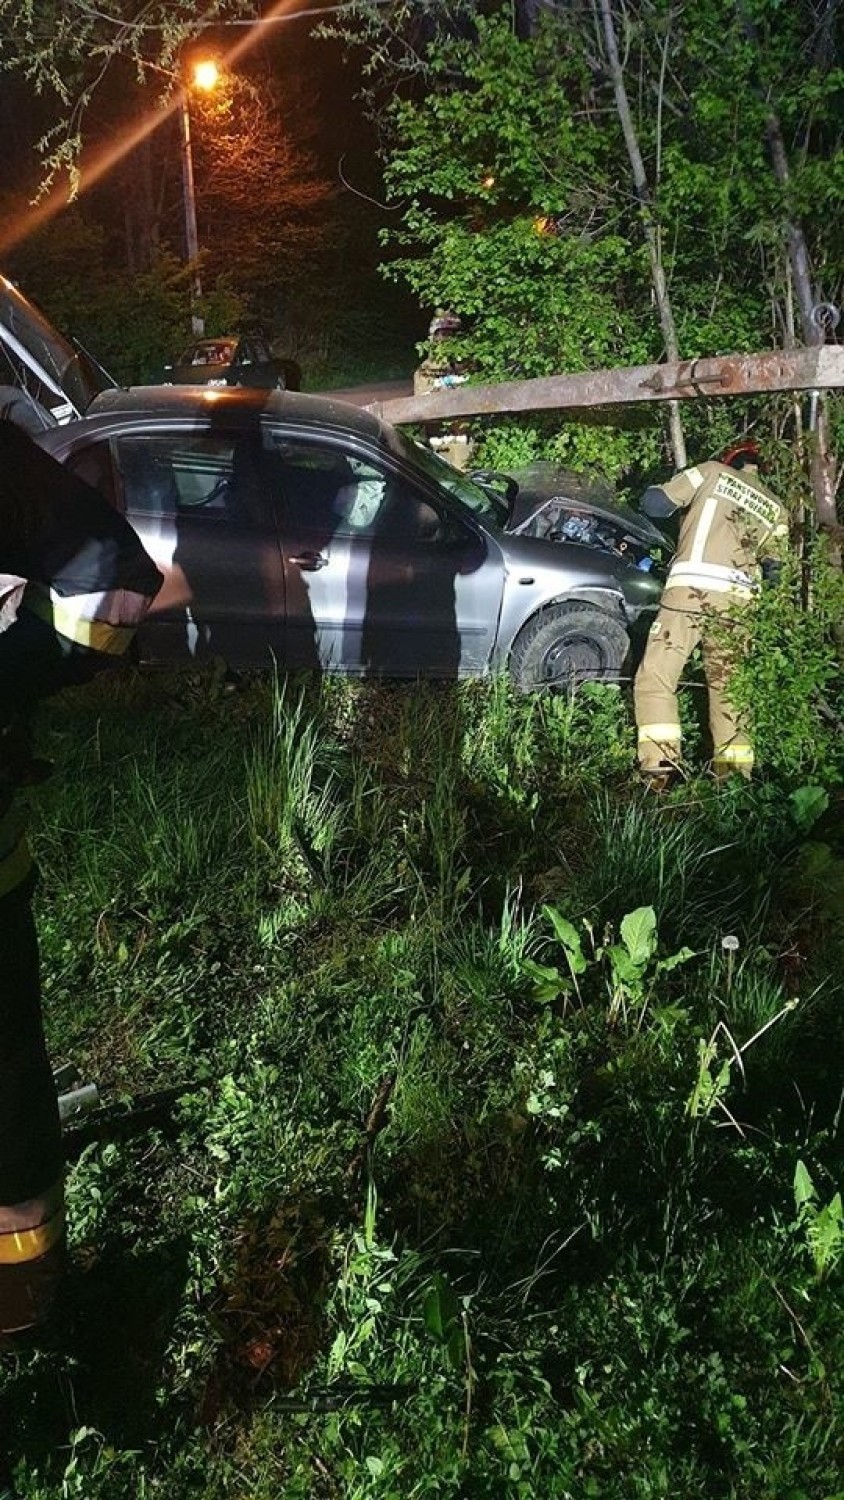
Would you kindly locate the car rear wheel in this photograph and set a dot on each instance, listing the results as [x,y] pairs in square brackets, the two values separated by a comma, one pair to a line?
[567,645]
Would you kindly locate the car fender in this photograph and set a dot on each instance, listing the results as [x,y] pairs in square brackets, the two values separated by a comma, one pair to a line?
[609,600]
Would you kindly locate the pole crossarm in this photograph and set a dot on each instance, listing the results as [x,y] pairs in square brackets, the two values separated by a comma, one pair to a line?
[805,369]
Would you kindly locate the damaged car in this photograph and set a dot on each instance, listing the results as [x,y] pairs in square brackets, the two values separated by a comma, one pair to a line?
[307,531]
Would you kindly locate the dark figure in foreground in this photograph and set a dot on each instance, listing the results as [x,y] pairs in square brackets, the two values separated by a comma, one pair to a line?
[733,528]
[74,583]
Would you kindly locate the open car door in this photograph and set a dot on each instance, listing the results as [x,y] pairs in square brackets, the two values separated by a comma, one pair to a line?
[44,378]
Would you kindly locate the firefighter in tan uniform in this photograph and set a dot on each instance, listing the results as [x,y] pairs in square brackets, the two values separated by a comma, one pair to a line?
[438,372]
[732,526]
[74,583]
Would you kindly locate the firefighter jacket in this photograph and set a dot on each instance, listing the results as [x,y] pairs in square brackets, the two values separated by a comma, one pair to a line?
[437,374]
[87,582]
[732,523]
[87,574]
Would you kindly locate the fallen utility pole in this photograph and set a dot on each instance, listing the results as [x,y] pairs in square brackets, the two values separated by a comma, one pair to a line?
[817,368]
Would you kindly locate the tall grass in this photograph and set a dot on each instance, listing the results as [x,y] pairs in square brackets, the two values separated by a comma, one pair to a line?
[468,1200]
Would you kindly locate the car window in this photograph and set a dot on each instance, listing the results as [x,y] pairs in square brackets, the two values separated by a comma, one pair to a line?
[209,353]
[93,464]
[461,487]
[211,475]
[333,491]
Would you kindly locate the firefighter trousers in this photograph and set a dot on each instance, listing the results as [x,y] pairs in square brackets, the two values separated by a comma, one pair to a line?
[681,625]
[31,1193]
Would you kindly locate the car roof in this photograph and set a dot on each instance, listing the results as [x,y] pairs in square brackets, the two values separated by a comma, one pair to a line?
[193,403]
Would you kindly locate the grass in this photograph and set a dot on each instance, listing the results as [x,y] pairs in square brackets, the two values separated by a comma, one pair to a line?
[477,1189]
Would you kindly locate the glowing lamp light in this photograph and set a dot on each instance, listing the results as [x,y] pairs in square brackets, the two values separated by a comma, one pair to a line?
[206,74]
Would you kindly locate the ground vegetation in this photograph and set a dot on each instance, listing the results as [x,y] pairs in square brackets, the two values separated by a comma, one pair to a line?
[503,1153]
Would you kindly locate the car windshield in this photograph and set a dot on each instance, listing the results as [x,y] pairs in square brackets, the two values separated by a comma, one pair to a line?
[481,501]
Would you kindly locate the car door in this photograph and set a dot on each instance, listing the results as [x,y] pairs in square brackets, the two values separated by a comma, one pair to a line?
[381,578]
[253,365]
[196,500]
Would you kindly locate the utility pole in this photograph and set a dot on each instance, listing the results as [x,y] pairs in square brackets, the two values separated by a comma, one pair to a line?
[189,198]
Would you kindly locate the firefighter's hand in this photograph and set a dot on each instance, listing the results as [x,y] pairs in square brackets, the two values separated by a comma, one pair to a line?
[771,572]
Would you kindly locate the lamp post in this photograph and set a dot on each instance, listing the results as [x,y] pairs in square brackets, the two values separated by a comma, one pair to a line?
[205,76]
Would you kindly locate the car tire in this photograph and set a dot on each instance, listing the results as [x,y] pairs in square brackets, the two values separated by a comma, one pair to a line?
[567,645]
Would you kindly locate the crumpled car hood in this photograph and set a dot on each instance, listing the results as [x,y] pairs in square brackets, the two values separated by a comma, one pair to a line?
[550,496]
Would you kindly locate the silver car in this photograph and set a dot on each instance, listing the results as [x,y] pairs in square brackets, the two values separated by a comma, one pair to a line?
[309,530]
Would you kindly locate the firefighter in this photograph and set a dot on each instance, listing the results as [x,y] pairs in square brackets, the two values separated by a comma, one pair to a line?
[733,529]
[437,372]
[79,581]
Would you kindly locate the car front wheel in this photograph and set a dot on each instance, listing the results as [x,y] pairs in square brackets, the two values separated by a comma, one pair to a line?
[566,645]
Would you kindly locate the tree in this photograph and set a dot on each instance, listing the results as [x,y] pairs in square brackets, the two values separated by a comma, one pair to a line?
[66,49]
[492,137]
[265,210]
[650,228]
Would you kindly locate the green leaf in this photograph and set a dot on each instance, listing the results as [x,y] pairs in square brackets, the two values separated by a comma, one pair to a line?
[638,933]
[569,937]
[808,804]
[804,1188]
[548,982]
[623,966]
[674,960]
[440,1310]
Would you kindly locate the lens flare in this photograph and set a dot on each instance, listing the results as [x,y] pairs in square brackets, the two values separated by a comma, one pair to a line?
[93,168]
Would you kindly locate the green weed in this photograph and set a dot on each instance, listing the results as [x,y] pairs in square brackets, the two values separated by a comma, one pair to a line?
[493,1180]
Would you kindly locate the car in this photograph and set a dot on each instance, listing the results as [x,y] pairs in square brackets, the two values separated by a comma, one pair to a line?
[310,531]
[233,360]
[44,377]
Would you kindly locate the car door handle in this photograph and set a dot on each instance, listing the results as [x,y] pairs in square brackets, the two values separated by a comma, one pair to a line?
[309,562]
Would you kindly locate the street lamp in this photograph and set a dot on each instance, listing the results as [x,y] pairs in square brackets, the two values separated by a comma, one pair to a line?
[205,76]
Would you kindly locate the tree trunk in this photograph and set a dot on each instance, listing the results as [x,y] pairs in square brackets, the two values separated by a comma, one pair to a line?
[822,463]
[141,218]
[643,196]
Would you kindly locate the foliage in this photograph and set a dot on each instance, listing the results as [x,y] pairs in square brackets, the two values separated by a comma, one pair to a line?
[505,160]
[434,1217]
[67,50]
[132,324]
[788,675]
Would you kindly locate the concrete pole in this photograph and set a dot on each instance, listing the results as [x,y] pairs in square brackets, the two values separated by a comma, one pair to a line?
[189,198]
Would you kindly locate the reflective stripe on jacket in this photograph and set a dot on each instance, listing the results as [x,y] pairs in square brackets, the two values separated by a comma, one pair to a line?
[103,621]
[732,522]
[28,1230]
[64,538]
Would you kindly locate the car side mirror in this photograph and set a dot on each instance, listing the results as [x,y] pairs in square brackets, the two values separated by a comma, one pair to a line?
[501,484]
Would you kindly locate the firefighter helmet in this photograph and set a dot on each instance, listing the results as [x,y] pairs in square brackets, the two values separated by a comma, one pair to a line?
[443,323]
[741,455]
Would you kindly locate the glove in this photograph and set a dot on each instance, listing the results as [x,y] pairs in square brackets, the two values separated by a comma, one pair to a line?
[771,572]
